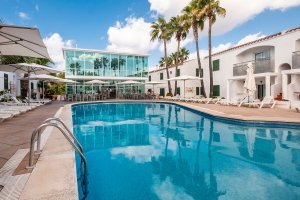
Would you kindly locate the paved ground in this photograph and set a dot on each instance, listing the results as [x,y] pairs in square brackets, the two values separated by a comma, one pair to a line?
[264,113]
[15,133]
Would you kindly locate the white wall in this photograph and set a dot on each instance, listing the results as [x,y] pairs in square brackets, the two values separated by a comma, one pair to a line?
[281,46]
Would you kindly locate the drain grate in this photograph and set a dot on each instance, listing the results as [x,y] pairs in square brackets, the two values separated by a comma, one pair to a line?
[1,187]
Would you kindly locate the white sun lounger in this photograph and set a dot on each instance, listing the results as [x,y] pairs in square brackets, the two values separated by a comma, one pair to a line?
[267,101]
[235,101]
[36,101]
[5,116]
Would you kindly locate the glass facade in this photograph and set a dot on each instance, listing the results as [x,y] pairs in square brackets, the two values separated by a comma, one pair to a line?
[93,64]
[83,63]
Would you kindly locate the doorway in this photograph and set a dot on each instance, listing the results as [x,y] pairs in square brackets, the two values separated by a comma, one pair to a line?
[261,91]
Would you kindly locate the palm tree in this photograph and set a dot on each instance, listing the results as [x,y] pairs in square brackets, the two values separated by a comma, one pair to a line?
[183,55]
[179,29]
[210,11]
[191,18]
[160,31]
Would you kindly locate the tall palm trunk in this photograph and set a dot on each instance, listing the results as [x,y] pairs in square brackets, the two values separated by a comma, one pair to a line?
[177,63]
[195,31]
[211,81]
[167,67]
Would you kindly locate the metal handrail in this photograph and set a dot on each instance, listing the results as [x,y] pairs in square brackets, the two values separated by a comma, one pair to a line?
[67,129]
[33,139]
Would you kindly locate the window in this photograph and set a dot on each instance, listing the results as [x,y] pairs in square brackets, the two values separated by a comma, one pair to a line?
[262,56]
[197,90]
[197,72]
[216,90]
[178,72]
[216,65]
[162,92]
[5,81]
[161,76]
[149,78]
[178,90]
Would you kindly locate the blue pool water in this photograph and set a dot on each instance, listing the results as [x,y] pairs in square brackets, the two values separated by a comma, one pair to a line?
[163,151]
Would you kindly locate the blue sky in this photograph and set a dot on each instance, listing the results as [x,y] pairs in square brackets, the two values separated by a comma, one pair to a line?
[123,25]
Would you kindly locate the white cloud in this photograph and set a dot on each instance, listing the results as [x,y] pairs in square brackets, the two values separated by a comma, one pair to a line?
[165,189]
[238,12]
[54,44]
[168,8]
[37,8]
[250,37]
[133,36]
[23,15]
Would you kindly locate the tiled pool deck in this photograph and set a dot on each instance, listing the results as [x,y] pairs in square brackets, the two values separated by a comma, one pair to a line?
[55,169]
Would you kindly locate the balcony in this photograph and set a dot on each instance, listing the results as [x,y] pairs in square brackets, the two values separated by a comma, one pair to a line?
[296,60]
[260,66]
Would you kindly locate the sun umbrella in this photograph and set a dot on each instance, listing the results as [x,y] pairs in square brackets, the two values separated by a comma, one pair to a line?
[29,68]
[22,41]
[61,80]
[184,78]
[130,82]
[250,85]
[154,83]
[95,82]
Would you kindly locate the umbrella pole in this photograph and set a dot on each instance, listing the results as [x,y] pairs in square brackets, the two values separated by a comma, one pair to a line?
[184,89]
[43,90]
[29,89]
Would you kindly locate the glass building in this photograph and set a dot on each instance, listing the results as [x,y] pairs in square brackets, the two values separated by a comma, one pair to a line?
[84,65]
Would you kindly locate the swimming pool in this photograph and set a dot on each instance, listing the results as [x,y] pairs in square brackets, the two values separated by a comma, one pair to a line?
[165,151]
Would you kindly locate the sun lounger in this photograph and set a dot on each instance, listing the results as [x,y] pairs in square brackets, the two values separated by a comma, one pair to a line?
[267,101]
[214,100]
[14,112]
[5,116]
[175,98]
[235,101]
[36,101]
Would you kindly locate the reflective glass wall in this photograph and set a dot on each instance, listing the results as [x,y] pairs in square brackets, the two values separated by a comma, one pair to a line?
[82,63]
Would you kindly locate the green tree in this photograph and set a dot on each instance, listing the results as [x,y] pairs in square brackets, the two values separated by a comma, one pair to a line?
[183,55]
[179,28]
[57,88]
[192,19]
[161,31]
[210,11]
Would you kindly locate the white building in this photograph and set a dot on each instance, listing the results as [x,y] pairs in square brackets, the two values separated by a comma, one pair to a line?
[276,60]
[11,82]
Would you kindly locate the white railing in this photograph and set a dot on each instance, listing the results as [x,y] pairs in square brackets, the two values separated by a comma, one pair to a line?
[296,60]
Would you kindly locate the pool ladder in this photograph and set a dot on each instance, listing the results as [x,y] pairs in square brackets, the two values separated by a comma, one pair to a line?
[36,138]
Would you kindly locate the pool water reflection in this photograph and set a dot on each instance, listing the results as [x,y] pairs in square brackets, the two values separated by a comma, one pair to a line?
[163,151]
